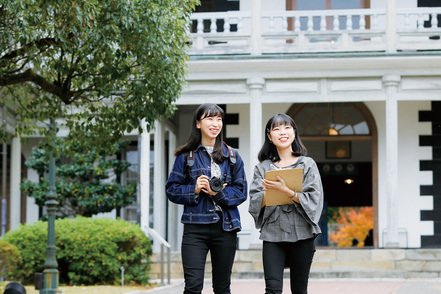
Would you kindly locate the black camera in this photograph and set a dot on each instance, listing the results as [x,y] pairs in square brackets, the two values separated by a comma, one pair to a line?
[216,184]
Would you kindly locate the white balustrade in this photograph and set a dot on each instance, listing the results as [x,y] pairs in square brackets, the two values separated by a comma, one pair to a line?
[336,23]
[221,33]
[322,23]
[434,21]
[351,30]
[349,22]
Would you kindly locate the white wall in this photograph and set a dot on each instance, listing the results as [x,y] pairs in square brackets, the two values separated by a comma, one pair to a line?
[398,3]
[31,207]
[241,131]
[273,5]
[410,202]
[245,5]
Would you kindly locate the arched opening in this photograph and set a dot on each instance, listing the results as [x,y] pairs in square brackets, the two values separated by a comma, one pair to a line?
[342,139]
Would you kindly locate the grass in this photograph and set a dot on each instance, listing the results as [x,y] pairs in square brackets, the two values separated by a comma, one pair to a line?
[30,289]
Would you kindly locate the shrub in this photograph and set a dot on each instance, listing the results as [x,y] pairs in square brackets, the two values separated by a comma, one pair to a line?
[89,251]
[31,242]
[355,226]
[10,259]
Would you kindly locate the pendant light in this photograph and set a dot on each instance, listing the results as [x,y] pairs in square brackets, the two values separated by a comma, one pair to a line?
[332,131]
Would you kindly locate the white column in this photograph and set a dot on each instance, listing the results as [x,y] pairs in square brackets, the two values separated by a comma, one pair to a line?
[159,198]
[144,177]
[256,138]
[391,83]
[256,30]
[15,195]
[391,30]
[3,191]
[255,86]
[173,213]
[4,152]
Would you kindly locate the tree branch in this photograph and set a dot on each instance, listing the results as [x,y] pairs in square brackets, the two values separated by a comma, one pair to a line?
[41,44]
[30,76]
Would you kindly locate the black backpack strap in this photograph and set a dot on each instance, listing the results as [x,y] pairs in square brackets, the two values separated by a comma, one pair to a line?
[232,158]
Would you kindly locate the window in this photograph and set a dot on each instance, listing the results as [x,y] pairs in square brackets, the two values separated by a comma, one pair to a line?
[324,5]
[321,119]
[130,212]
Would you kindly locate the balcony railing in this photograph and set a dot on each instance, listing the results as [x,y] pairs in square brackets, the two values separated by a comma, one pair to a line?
[352,30]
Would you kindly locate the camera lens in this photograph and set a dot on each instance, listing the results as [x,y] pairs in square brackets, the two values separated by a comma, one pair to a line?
[216,184]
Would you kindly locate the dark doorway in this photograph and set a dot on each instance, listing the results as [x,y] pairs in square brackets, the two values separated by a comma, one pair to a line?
[347,184]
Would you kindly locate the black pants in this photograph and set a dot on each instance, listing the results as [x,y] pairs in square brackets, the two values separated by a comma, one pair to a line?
[295,255]
[196,242]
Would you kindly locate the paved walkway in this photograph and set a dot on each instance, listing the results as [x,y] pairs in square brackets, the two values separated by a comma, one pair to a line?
[322,286]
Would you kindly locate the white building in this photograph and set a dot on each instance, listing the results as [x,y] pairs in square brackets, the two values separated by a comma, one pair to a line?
[370,69]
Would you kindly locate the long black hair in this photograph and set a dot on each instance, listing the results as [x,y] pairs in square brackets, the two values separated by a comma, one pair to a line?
[268,150]
[203,111]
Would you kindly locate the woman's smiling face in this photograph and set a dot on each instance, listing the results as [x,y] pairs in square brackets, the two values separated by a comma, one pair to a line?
[282,135]
[210,127]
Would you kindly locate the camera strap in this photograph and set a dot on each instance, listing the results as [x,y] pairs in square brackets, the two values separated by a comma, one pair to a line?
[231,157]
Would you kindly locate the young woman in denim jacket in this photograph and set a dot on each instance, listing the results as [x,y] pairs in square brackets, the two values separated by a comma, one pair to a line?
[288,231]
[211,219]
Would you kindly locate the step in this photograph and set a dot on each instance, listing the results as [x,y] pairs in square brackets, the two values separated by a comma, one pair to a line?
[332,263]
[314,274]
[358,274]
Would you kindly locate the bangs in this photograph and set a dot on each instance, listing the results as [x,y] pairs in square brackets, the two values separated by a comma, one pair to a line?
[281,119]
[213,110]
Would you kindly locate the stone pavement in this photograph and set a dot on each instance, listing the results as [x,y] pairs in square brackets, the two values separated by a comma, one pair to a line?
[321,286]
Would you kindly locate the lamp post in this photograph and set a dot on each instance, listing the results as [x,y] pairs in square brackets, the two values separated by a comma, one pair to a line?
[50,274]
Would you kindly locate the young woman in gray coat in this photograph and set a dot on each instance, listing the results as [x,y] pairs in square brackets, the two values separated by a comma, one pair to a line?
[288,231]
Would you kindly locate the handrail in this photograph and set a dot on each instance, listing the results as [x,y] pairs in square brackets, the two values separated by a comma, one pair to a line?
[156,236]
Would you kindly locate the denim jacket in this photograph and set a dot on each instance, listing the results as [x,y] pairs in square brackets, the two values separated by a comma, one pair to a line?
[199,208]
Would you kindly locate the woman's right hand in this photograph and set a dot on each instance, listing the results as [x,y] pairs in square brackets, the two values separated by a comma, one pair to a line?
[202,182]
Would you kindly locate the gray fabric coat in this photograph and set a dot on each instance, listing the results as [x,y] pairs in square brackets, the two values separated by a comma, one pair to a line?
[290,222]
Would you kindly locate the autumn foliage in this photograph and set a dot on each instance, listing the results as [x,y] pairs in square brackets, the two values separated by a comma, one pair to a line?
[355,224]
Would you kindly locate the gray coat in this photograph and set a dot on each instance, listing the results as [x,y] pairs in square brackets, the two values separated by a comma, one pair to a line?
[289,222]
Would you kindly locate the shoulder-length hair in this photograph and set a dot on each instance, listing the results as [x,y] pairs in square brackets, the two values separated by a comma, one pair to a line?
[203,111]
[268,150]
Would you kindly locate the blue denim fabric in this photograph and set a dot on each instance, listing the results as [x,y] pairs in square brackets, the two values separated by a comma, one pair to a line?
[199,208]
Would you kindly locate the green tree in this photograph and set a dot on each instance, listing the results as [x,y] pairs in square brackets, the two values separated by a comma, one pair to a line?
[87,181]
[94,66]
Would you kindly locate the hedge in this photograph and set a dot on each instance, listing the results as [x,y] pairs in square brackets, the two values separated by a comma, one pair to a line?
[89,251]
[10,259]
